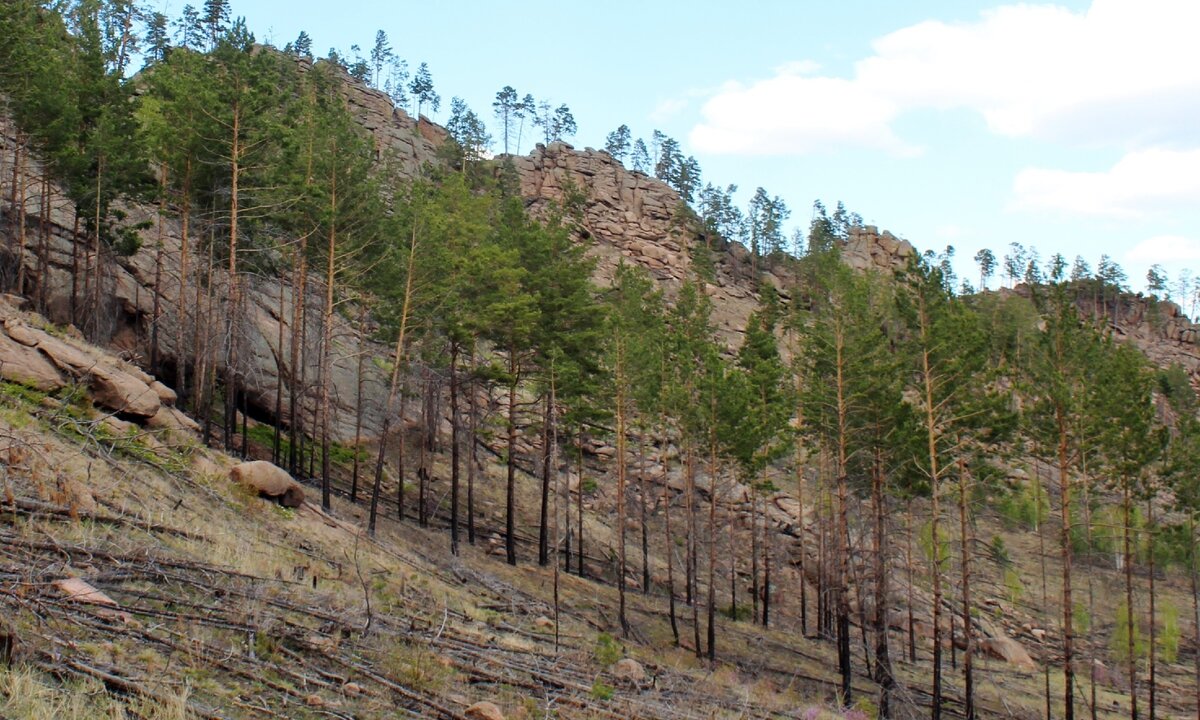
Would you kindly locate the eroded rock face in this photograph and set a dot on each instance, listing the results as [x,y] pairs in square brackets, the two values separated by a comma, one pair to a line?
[32,356]
[633,218]
[869,249]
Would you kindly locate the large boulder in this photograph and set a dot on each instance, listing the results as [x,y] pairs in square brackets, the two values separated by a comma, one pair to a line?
[269,480]
[484,710]
[25,365]
[115,385]
[629,670]
[1008,650]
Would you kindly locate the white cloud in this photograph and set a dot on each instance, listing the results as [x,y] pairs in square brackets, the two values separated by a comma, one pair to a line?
[1124,70]
[949,231]
[1139,183]
[667,109]
[1165,249]
[794,113]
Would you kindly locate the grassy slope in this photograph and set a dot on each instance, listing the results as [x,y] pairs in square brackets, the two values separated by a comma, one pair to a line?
[238,608]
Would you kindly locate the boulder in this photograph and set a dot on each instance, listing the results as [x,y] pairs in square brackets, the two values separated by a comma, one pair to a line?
[484,710]
[170,419]
[629,670]
[166,395]
[269,480]
[82,591]
[25,365]
[1008,650]
[122,392]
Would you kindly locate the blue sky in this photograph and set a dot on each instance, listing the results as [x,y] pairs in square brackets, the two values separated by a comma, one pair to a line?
[1071,127]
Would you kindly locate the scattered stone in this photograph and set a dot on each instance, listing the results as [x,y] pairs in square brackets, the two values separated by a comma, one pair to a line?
[352,689]
[544,623]
[81,591]
[269,480]
[484,710]
[314,700]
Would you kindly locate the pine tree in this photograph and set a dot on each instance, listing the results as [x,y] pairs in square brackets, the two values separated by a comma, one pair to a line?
[215,20]
[381,55]
[617,143]
[505,108]
[639,156]
[421,88]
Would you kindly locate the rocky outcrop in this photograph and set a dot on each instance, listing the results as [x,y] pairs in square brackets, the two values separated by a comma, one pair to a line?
[869,249]
[33,356]
[631,217]
[1159,328]
[406,142]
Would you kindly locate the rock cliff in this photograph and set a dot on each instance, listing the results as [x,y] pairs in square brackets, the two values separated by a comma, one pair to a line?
[627,217]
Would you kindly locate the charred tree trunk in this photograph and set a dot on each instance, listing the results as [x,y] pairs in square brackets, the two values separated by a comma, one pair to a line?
[544,510]
[669,547]
[454,449]
[510,500]
[358,400]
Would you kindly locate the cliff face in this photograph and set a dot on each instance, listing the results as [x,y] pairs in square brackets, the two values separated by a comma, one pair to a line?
[636,219]
[627,217]
[124,313]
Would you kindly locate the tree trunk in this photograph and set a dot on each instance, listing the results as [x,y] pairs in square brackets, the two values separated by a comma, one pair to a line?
[454,451]
[1131,653]
[44,245]
[398,357]
[642,481]
[908,564]
[1152,534]
[280,373]
[471,461]
[181,299]
[579,505]
[622,421]
[1064,477]
[754,589]
[1194,571]
[801,532]
[544,510]
[232,329]
[842,528]
[298,342]
[766,551]
[156,313]
[693,587]
[75,270]
[1037,474]
[669,547]
[712,527]
[20,188]
[327,336]
[358,400]
[883,663]
[424,448]
[965,535]
[510,540]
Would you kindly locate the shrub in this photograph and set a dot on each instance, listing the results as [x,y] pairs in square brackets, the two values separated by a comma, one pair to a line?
[602,690]
[607,650]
